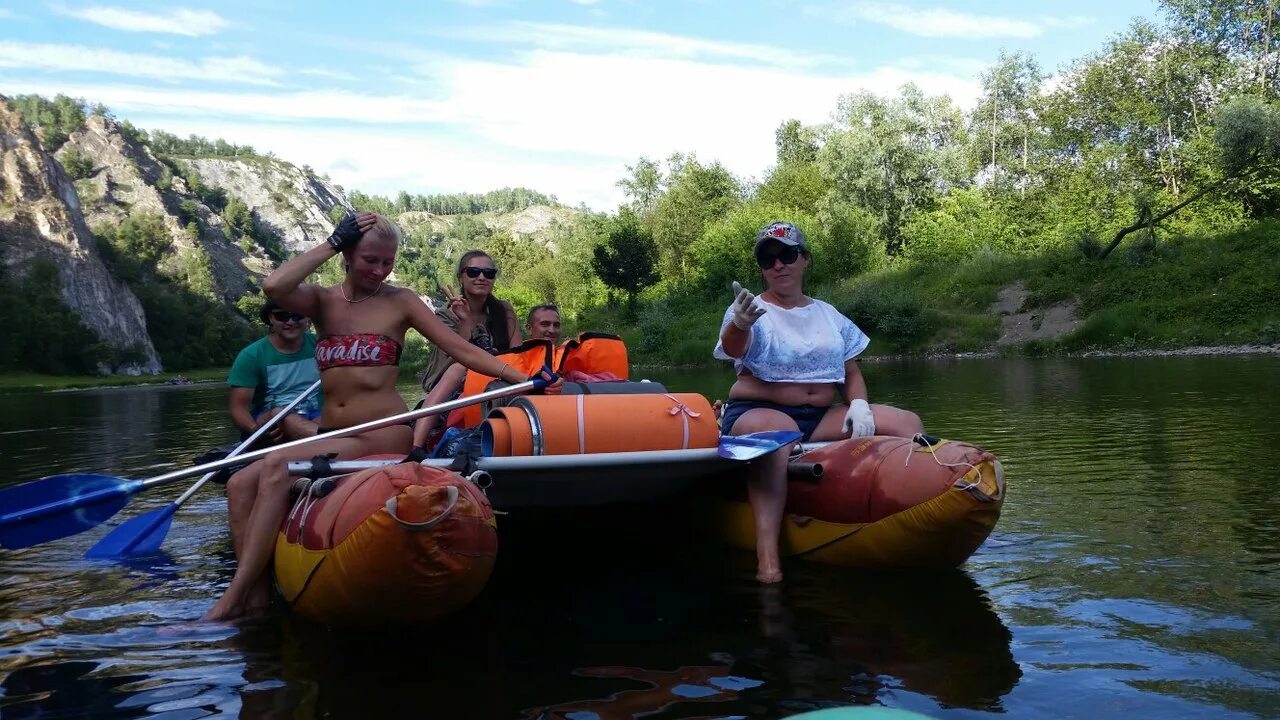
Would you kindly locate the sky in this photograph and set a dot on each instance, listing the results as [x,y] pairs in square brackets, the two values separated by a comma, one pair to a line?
[474,95]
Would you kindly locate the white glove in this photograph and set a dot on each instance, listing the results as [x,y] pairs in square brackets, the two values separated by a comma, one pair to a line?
[745,312]
[859,420]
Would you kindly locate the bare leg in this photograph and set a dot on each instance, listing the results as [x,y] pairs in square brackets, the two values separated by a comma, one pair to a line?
[767,490]
[257,536]
[896,421]
[242,491]
[889,421]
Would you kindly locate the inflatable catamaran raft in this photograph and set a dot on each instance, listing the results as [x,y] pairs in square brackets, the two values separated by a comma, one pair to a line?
[390,541]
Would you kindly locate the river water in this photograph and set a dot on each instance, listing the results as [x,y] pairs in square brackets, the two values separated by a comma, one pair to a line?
[1135,572]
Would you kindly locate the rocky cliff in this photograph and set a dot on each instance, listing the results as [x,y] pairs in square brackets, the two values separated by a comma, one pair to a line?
[286,201]
[40,217]
[127,178]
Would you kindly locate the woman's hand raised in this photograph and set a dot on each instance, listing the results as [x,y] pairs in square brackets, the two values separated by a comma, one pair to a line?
[350,229]
[457,305]
[745,311]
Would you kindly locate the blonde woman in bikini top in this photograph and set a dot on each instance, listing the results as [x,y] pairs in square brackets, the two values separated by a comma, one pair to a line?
[361,324]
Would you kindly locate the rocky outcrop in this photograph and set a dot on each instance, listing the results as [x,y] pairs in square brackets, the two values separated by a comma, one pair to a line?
[127,178]
[534,222]
[286,201]
[40,217]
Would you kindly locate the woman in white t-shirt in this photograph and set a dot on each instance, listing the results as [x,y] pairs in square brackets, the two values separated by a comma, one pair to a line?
[793,354]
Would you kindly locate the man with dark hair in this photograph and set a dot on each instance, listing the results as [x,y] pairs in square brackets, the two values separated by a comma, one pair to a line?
[270,372]
[544,323]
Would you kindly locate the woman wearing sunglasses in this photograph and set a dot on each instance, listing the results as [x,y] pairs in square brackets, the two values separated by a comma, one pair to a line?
[270,372]
[475,314]
[796,370]
[362,323]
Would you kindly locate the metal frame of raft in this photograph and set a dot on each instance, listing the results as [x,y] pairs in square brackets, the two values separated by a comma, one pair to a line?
[575,480]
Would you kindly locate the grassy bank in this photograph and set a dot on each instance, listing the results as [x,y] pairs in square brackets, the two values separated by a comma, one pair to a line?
[33,382]
[1174,292]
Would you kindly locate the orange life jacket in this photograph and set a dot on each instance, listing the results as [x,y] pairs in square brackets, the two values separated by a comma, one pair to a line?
[589,352]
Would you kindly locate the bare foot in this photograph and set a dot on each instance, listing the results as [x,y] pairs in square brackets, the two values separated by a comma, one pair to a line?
[768,577]
[224,609]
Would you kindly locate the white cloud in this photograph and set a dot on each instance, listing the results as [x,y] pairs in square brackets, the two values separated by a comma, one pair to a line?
[624,106]
[327,73]
[1069,22]
[176,21]
[77,58]
[637,43]
[386,160]
[929,22]
[584,2]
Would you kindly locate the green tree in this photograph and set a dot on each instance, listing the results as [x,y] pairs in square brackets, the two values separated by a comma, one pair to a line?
[1244,33]
[54,120]
[1003,123]
[1248,142]
[77,164]
[696,195]
[643,185]
[893,157]
[42,334]
[799,186]
[795,143]
[627,258]
[194,271]
[144,237]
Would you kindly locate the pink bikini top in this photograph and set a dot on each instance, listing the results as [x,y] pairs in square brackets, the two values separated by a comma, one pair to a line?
[357,350]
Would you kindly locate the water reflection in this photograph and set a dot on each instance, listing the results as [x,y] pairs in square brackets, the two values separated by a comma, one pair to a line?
[845,637]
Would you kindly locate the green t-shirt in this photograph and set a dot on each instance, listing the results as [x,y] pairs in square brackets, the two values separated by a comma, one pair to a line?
[277,378]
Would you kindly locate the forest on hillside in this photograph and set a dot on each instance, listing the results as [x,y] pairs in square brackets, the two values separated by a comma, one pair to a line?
[1140,181]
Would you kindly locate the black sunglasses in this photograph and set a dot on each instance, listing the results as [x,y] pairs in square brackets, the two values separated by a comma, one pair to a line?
[286,316]
[475,272]
[787,255]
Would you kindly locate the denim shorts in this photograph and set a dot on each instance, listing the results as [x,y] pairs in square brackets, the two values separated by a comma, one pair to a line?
[807,417]
[313,415]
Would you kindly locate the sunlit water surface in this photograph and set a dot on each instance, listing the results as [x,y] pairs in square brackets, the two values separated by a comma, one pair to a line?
[1135,572]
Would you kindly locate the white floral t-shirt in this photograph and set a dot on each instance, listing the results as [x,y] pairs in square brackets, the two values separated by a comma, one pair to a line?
[808,344]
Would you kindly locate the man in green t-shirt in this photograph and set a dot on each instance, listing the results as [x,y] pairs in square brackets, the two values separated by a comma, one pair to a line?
[269,373]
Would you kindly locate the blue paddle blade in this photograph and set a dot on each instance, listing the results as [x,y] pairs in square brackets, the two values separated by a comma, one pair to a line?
[754,445]
[59,506]
[141,535]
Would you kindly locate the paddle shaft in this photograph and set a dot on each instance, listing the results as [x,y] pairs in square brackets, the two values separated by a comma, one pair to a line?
[275,420]
[343,432]
[569,461]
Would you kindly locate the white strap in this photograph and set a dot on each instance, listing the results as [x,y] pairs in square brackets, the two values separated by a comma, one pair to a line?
[451,490]
[685,412]
[582,428]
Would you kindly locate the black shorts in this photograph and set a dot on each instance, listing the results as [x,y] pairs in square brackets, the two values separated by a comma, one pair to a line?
[807,417]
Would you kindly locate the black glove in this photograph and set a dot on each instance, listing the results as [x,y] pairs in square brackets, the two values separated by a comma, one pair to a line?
[345,234]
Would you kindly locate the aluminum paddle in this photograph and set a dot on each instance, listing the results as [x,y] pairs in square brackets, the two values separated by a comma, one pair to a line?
[143,534]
